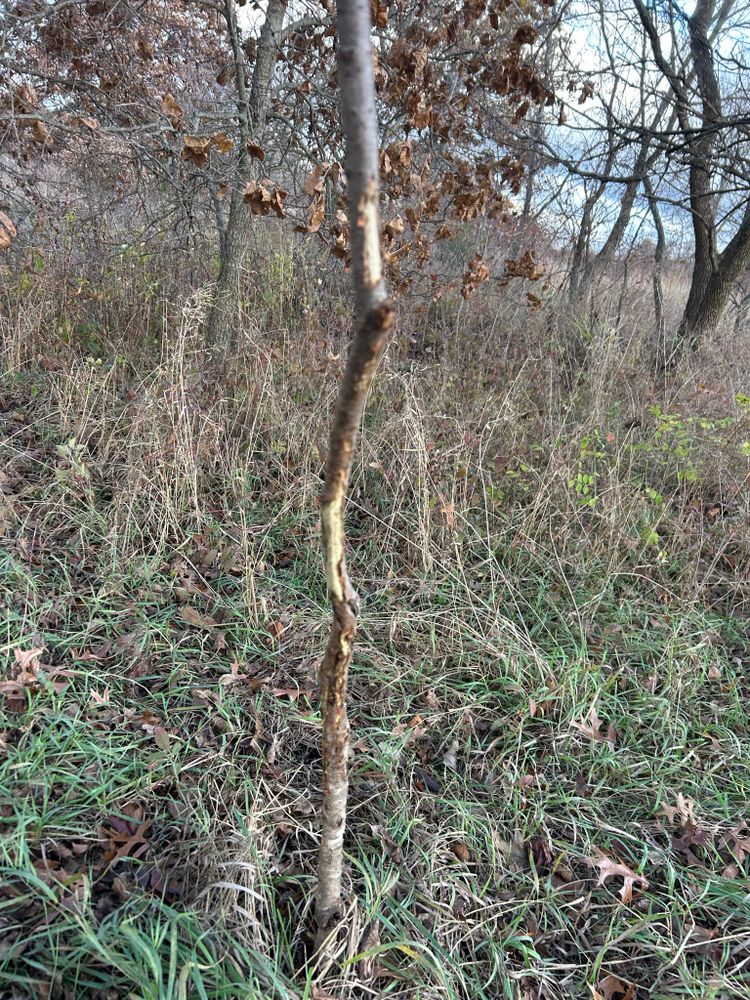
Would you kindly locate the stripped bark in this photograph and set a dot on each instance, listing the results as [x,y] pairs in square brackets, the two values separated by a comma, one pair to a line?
[374,315]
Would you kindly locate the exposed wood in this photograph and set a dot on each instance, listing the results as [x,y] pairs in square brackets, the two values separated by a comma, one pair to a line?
[374,316]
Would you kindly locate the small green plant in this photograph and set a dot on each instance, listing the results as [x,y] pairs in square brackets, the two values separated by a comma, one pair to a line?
[583,483]
[73,452]
[676,440]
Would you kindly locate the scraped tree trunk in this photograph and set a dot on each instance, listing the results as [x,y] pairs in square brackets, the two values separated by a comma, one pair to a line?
[252,111]
[373,318]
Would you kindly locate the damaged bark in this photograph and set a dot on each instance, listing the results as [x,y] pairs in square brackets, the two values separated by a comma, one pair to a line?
[374,315]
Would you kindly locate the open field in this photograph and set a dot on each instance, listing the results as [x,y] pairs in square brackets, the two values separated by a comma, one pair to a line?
[549,696]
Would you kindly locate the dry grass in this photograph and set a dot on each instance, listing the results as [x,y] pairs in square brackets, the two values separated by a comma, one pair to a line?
[531,543]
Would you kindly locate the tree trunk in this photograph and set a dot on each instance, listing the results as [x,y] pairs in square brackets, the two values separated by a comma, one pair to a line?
[714,273]
[373,316]
[660,252]
[252,110]
[709,297]
[579,262]
[224,315]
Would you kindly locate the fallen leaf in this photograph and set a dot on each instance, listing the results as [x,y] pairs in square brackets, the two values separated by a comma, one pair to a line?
[99,699]
[391,847]
[582,789]
[292,693]
[124,839]
[541,853]
[449,510]
[320,994]
[161,738]
[684,808]
[277,629]
[460,850]
[592,727]
[612,988]
[370,941]
[689,838]
[608,868]
[26,658]
[7,231]
[196,619]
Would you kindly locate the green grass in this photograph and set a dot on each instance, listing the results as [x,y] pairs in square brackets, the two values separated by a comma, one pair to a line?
[480,802]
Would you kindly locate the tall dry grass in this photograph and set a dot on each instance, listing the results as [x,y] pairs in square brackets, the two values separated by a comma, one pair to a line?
[519,506]
[478,442]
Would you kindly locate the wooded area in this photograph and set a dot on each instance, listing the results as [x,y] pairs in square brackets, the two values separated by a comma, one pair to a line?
[374,518]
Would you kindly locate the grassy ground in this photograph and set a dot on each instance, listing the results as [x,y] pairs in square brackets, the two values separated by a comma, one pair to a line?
[551,755]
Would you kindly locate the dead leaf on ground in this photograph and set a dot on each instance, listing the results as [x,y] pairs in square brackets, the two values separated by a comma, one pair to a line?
[370,940]
[193,617]
[683,808]
[612,988]
[541,852]
[25,659]
[293,694]
[126,836]
[235,677]
[460,850]
[32,676]
[591,726]
[608,868]
[689,838]
[161,738]
[7,231]
[389,844]
[582,789]
[702,941]
[318,993]
[737,843]
[97,699]
[277,629]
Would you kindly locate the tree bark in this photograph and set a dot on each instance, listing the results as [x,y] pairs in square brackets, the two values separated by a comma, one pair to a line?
[660,252]
[374,315]
[252,111]
[579,262]
[705,308]
[714,273]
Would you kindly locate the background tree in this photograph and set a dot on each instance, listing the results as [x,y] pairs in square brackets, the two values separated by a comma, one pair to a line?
[715,144]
